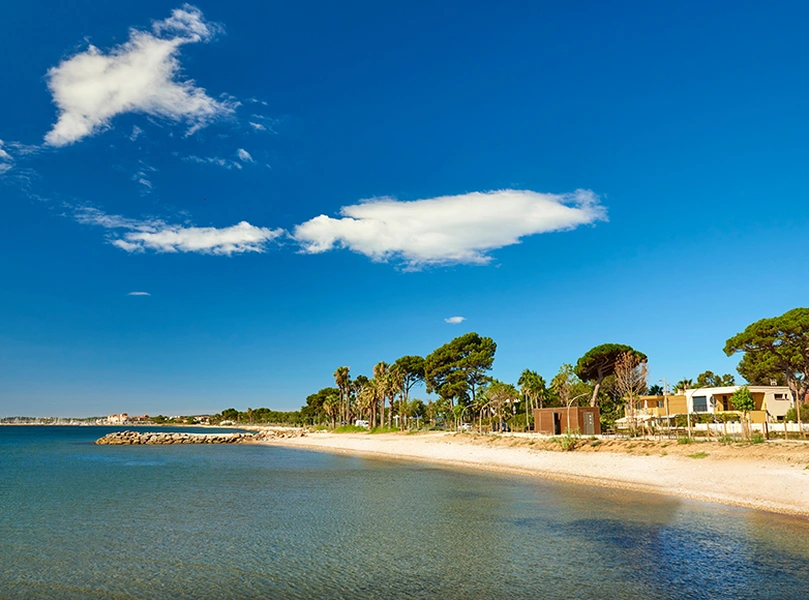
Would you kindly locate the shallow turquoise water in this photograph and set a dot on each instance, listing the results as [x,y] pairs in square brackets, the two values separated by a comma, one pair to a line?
[85,521]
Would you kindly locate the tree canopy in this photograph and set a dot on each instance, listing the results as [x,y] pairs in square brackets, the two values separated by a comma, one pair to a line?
[779,344]
[457,368]
[708,379]
[599,362]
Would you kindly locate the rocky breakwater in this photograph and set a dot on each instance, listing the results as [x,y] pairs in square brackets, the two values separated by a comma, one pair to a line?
[123,438]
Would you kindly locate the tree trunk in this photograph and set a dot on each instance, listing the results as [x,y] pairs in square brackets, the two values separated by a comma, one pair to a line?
[596,389]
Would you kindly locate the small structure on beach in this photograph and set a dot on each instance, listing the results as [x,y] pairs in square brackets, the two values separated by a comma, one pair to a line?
[555,421]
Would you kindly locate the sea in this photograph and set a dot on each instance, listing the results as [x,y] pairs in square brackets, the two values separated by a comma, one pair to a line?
[248,521]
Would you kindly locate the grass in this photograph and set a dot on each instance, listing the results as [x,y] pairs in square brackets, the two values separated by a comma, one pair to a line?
[350,429]
[595,443]
[382,429]
[684,440]
[698,455]
[664,453]
[757,438]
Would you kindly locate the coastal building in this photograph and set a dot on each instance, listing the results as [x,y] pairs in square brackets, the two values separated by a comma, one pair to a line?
[555,421]
[771,402]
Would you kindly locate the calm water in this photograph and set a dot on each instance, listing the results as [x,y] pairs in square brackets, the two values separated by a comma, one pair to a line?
[84,521]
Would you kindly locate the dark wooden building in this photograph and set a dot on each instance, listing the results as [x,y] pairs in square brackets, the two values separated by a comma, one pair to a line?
[554,421]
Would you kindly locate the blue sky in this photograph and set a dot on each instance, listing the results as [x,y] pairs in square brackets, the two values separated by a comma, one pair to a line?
[301,186]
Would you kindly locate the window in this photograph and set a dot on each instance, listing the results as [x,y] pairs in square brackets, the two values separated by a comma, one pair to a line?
[700,403]
[779,396]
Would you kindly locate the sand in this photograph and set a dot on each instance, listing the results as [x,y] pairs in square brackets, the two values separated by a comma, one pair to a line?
[773,476]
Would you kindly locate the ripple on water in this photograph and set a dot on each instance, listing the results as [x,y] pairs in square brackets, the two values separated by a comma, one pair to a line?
[261,522]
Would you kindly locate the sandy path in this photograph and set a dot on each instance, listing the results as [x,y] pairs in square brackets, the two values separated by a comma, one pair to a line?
[772,484]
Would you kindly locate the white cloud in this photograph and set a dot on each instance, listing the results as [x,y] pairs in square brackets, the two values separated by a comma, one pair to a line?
[157,235]
[6,162]
[140,76]
[449,229]
[454,320]
[257,126]
[244,155]
[213,160]
[3,154]
[138,294]
[142,175]
[136,131]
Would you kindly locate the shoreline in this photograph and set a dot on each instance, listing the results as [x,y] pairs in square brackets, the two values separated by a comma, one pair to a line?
[777,483]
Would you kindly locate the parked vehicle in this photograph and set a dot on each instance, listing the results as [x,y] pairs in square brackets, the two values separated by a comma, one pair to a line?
[466,427]
[361,423]
[502,427]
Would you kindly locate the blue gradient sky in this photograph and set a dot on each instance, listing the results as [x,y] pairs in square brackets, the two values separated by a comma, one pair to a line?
[688,123]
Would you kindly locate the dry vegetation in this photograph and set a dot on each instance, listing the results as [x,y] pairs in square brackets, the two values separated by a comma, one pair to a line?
[791,452]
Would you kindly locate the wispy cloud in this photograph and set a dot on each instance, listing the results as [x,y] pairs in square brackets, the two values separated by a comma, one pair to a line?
[138,294]
[141,75]
[213,160]
[454,320]
[6,162]
[136,132]
[244,155]
[257,126]
[449,229]
[134,235]
[142,176]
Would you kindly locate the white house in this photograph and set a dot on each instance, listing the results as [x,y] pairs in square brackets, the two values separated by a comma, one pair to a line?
[775,400]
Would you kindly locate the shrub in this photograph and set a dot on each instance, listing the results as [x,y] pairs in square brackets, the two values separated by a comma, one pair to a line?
[684,440]
[757,438]
[350,429]
[791,415]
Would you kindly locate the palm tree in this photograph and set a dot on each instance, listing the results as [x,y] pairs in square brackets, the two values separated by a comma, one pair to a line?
[381,370]
[397,386]
[343,381]
[331,406]
[532,386]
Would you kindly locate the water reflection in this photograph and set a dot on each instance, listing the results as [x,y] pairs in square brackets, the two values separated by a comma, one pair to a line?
[256,522]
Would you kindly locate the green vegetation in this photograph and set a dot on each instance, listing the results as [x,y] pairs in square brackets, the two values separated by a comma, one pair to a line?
[698,455]
[600,362]
[777,347]
[743,401]
[610,376]
[350,429]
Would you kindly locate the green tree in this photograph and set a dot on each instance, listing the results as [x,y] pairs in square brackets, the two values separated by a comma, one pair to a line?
[533,386]
[409,370]
[781,343]
[500,394]
[761,369]
[313,412]
[599,362]
[684,384]
[343,381]
[332,406]
[656,390]
[455,370]
[381,383]
[743,400]
[708,379]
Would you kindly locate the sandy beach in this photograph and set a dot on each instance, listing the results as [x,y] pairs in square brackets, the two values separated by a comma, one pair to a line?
[772,476]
